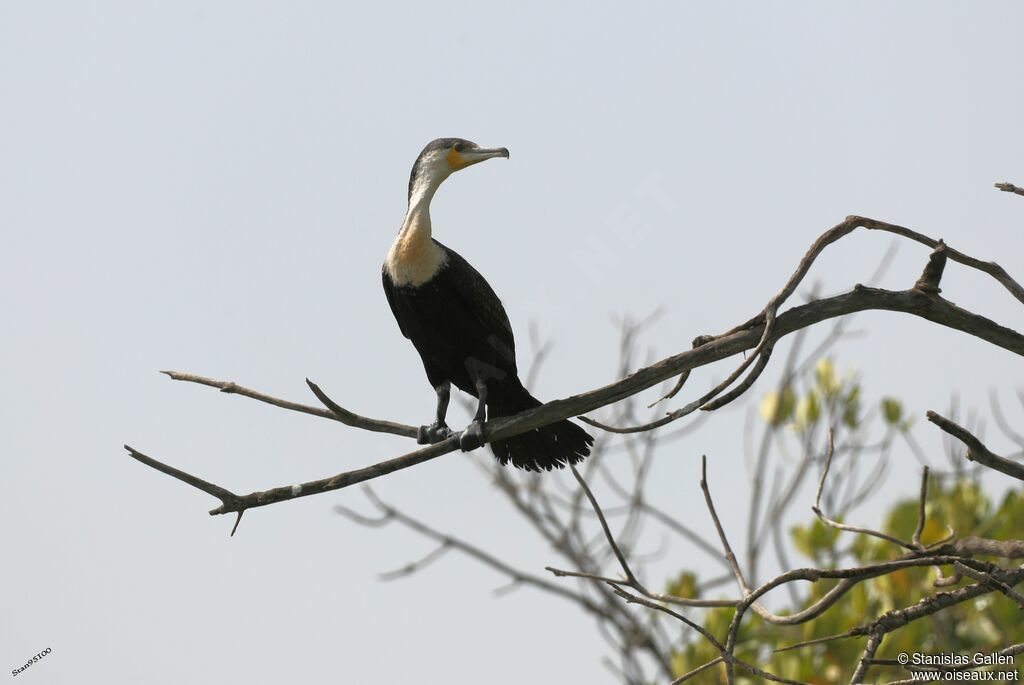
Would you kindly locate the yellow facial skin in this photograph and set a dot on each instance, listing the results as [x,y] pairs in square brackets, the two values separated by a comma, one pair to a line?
[474,155]
[456,160]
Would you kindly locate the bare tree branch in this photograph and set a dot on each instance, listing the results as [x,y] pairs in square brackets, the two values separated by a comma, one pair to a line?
[630,579]
[759,333]
[860,299]
[841,526]
[976,450]
[726,655]
[922,500]
[420,564]
[445,541]
[874,640]
[987,579]
[726,548]
[1010,188]
[335,413]
[558,515]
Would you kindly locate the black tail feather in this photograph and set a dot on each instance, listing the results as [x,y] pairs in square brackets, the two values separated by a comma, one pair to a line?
[550,447]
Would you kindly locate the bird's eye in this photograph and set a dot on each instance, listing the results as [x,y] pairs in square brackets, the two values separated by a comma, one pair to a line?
[458,147]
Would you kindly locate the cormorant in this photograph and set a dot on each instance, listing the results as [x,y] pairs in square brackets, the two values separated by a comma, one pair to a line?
[459,327]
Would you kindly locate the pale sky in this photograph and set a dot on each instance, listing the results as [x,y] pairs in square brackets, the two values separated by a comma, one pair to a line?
[212,187]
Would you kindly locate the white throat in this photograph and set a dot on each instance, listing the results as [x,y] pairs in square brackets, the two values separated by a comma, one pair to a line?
[414,258]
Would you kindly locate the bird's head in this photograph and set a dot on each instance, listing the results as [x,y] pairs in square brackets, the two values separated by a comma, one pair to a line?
[443,157]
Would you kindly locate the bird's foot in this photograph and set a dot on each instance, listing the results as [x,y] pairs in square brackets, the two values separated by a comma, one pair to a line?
[703,340]
[433,434]
[472,437]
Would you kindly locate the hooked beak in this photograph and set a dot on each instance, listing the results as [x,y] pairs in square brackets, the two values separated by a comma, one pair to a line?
[479,154]
[461,160]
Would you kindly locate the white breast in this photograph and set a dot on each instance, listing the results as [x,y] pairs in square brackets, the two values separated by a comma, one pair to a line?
[414,259]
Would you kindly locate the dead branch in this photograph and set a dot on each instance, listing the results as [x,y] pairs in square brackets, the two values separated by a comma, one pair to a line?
[930,307]
[1010,188]
[334,412]
[984,578]
[860,299]
[768,315]
[945,553]
[976,450]
[630,580]
[759,333]
[842,526]
[601,596]
[445,542]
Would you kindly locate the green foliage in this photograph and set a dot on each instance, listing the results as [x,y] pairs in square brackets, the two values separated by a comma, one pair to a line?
[815,540]
[957,507]
[892,410]
[777,408]
[829,397]
[986,624]
[685,585]
[808,411]
[892,414]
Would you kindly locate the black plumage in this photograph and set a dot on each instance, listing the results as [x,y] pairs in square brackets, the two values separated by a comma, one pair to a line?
[463,335]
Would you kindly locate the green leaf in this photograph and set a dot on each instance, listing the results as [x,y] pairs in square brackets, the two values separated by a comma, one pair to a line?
[777,408]
[684,585]
[892,410]
[851,407]
[808,411]
[825,378]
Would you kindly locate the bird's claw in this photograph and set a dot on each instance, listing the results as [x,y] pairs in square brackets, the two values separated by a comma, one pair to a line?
[472,437]
[702,340]
[433,434]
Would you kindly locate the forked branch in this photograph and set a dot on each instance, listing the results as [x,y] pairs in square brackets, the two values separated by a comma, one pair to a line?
[760,334]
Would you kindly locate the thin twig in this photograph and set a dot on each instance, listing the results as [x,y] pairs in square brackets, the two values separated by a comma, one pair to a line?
[726,547]
[700,669]
[842,526]
[447,541]
[921,510]
[337,414]
[727,656]
[418,565]
[630,579]
[619,582]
